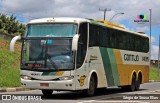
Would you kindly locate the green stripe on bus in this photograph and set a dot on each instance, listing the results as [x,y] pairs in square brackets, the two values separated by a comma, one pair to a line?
[107,66]
[113,66]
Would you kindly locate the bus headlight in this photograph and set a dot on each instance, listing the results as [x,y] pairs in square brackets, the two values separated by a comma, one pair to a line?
[25,77]
[66,78]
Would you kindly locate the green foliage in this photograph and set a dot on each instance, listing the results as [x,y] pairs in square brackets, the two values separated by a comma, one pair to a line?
[9,65]
[153,74]
[9,25]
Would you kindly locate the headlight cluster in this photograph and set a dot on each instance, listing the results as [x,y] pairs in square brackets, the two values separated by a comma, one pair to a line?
[66,78]
[25,77]
[60,78]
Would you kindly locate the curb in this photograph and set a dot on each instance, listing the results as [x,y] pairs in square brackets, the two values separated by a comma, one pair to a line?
[154,81]
[13,89]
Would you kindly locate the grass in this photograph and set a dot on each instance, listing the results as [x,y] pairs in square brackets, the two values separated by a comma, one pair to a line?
[9,65]
[153,74]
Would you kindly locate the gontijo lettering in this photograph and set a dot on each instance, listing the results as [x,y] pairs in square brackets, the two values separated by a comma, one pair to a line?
[131,57]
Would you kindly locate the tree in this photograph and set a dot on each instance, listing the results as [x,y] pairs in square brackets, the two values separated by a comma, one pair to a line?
[9,25]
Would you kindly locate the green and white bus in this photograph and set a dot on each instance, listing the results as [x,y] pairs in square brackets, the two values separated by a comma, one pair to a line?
[81,54]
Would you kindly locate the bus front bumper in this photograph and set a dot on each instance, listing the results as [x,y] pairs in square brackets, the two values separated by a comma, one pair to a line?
[54,85]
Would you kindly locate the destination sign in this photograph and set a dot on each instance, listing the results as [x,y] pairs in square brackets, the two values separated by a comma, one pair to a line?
[34,65]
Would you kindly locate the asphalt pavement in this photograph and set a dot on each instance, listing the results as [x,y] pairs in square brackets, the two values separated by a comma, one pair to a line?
[111,95]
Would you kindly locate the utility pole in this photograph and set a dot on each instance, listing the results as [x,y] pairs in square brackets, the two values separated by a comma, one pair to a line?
[104,10]
[159,56]
[150,30]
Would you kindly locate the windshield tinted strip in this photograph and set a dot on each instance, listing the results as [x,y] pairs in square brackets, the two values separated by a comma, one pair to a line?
[51,30]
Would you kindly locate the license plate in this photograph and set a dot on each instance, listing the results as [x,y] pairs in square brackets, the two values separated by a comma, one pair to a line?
[44,84]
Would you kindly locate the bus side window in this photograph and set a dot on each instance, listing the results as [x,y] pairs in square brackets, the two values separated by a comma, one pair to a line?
[94,33]
[103,37]
[82,44]
[112,38]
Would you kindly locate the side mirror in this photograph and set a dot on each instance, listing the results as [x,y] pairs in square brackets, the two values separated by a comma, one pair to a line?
[13,41]
[75,42]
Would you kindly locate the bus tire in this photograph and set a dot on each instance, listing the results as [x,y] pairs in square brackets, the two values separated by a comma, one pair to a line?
[131,87]
[92,86]
[47,93]
[138,82]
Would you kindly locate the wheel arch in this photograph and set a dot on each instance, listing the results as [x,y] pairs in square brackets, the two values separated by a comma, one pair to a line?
[139,74]
[130,78]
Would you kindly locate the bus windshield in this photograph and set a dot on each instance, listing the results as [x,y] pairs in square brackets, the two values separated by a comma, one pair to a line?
[47,54]
[51,30]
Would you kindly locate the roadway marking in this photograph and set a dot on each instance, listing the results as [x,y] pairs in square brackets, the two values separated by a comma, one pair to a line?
[155,91]
[121,102]
[103,100]
[89,101]
[108,101]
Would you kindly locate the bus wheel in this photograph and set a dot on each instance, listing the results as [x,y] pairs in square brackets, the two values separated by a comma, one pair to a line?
[92,86]
[133,84]
[47,93]
[131,87]
[138,82]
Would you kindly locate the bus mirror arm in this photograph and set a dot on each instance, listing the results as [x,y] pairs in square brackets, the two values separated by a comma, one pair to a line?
[75,42]
[13,41]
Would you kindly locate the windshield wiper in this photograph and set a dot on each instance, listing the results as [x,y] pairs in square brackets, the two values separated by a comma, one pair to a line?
[49,57]
[38,57]
[52,62]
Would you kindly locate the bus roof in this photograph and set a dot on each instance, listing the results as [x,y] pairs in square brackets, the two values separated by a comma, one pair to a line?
[79,20]
[120,27]
[59,19]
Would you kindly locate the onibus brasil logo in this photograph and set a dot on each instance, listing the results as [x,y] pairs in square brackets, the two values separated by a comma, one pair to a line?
[141,19]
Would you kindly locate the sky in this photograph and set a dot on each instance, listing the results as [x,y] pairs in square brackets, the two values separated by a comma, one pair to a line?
[26,10]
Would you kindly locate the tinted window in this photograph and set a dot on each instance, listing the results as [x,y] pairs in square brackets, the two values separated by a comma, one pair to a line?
[112,38]
[94,35]
[82,44]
